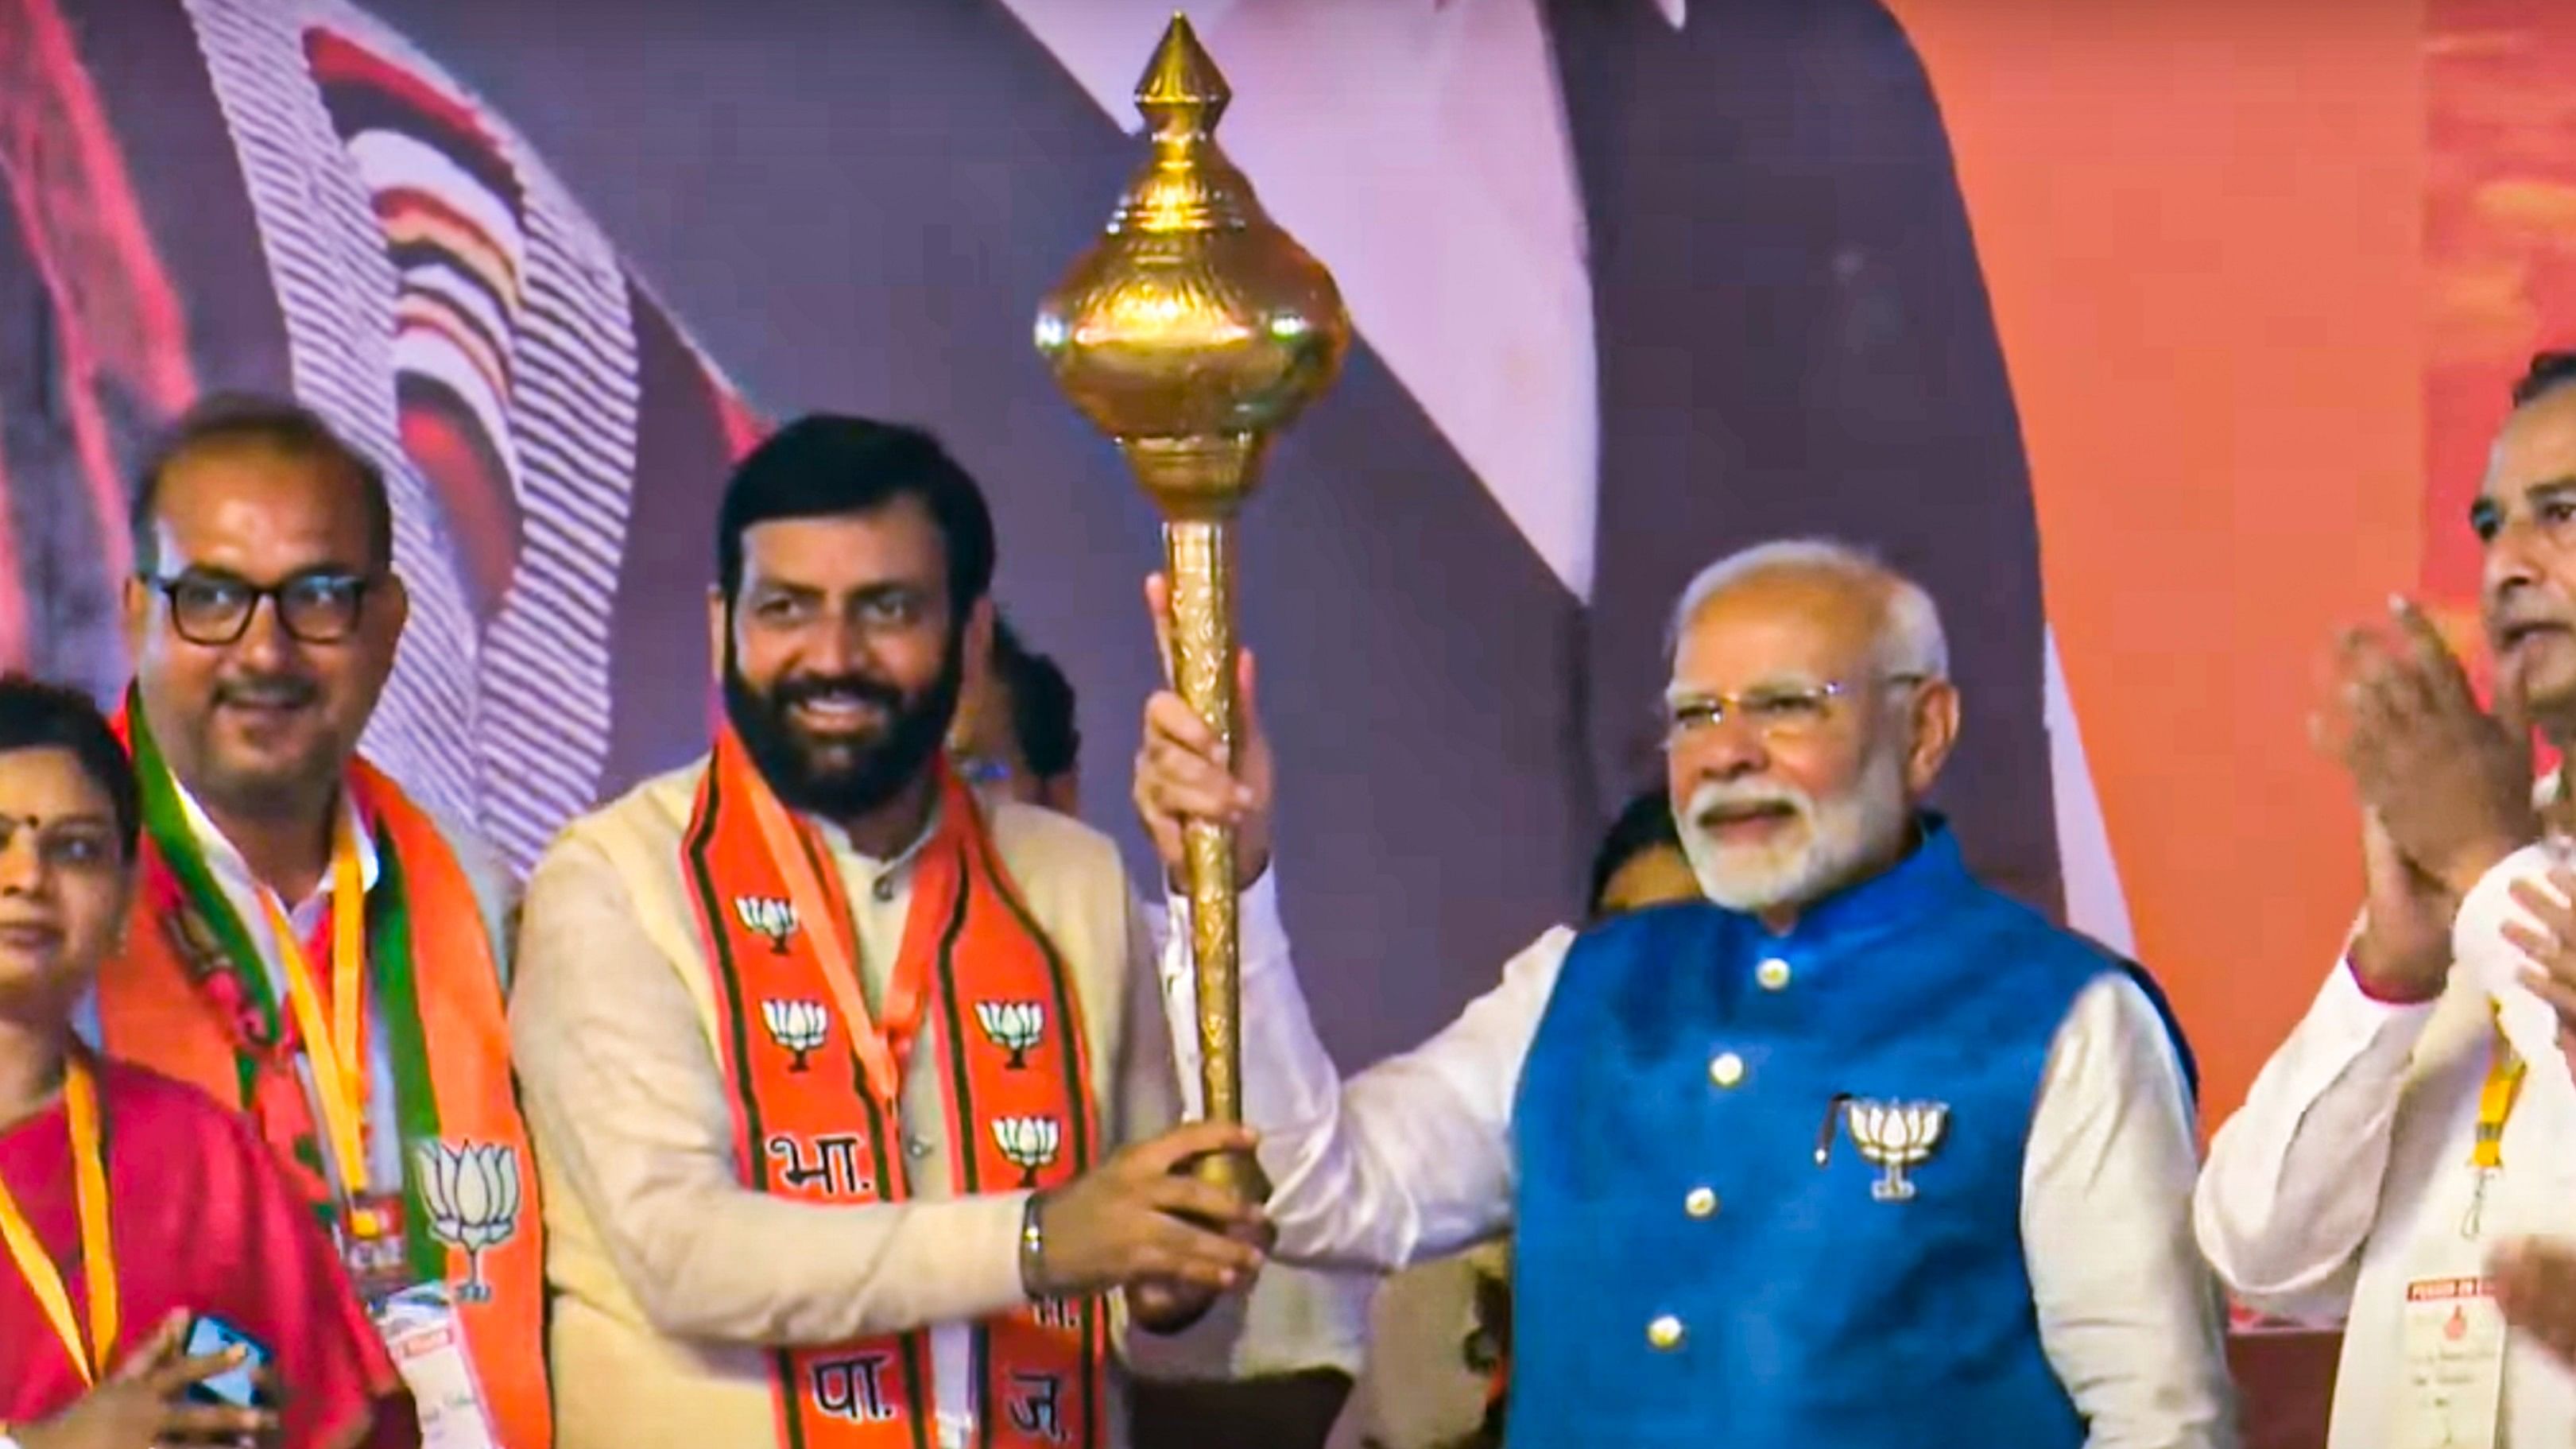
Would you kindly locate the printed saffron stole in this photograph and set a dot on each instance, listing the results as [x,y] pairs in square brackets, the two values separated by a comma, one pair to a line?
[190,998]
[980,988]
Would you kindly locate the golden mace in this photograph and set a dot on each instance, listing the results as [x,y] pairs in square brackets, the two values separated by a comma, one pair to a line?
[1191,333]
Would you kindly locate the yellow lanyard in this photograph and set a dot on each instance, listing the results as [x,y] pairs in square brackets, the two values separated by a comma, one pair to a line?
[337,1055]
[2503,1088]
[98,1256]
[2495,1104]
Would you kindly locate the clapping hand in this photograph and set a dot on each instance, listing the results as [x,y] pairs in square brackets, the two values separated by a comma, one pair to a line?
[2550,947]
[2535,1284]
[2448,781]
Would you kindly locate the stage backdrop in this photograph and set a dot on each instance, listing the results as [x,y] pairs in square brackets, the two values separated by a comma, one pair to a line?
[2159,346]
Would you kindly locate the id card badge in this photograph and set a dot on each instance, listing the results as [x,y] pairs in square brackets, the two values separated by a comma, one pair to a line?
[369,1232]
[427,1343]
[2454,1365]
[2450,1391]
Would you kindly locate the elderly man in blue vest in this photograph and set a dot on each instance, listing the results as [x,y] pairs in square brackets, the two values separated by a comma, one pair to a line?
[1856,1152]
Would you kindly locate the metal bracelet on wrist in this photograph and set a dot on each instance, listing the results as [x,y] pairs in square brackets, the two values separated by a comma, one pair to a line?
[1033,1247]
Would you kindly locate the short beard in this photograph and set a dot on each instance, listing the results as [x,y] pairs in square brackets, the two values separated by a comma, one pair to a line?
[1842,836]
[293,794]
[294,791]
[879,770]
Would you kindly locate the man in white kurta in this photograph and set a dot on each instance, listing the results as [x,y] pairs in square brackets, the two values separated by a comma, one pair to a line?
[2421,1117]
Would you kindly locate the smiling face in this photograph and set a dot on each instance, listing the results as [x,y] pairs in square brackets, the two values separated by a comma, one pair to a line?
[63,882]
[2525,515]
[843,659]
[262,723]
[1798,755]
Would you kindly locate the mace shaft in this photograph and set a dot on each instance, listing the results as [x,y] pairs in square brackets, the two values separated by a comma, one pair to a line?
[1200,563]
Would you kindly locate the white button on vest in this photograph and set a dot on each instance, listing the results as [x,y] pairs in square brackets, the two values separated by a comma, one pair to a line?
[1773,974]
[1727,1069]
[1665,1333]
[1700,1203]
[916,1145]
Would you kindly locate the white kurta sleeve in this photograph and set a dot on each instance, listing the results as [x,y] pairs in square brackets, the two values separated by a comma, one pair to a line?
[2128,1315]
[1408,1159]
[2292,1186]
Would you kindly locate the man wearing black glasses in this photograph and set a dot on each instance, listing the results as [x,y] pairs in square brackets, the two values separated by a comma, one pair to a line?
[307,944]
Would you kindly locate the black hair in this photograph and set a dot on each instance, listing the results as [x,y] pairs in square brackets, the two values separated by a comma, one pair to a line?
[35,715]
[2548,372]
[255,420]
[823,466]
[1646,823]
[1041,705]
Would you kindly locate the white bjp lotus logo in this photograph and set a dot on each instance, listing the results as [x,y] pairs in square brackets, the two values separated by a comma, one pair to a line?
[769,917]
[1014,1026]
[1896,1136]
[472,1192]
[798,1026]
[1029,1142]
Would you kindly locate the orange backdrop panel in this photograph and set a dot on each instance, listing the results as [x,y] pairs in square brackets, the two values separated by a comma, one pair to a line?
[2500,242]
[2201,228]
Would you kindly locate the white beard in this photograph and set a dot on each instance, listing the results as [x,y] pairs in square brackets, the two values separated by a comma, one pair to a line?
[1837,837]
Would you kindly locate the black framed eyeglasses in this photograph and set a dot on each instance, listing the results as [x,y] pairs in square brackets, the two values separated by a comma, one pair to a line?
[313,608]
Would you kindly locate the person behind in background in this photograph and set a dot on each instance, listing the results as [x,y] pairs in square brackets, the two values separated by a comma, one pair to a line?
[308,944]
[1641,861]
[130,1204]
[1015,731]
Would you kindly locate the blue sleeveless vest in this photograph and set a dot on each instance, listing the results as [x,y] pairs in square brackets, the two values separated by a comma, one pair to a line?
[1687,1269]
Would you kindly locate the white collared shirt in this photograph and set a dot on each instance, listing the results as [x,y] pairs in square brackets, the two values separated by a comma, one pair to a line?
[2346,1171]
[243,891]
[1412,1159]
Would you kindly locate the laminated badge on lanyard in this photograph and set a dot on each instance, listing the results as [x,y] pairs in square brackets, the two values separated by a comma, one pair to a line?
[370,1222]
[418,1321]
[2453,1332]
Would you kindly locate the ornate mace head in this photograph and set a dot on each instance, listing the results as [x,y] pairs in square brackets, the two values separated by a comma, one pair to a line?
[1194,329]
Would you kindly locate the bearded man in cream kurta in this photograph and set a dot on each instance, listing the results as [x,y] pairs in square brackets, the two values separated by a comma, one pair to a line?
[826,1060]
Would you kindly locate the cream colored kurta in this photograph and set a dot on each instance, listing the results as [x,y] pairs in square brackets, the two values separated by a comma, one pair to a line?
[672,1281]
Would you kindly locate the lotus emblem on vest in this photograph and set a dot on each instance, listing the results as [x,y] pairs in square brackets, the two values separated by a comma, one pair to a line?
[768,917]
[471,1190]
[1896,1136]
[798,1026]
[1014,1026]
[1029,1142]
